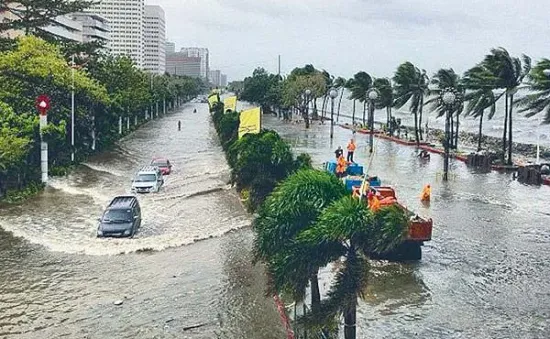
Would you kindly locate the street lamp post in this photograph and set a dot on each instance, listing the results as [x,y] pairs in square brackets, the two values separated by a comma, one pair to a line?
[373,95]
[448,98]
[333,94]
[72,108]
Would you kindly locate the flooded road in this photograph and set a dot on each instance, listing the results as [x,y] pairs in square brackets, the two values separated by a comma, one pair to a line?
[484,274]
[57,280]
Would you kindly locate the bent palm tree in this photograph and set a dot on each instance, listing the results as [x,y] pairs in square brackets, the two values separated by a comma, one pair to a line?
[411,84]
[383,85]
[445,78]
[293,207]
[362,82]
[353,232]
[340,85]
[539,83]
[509,73]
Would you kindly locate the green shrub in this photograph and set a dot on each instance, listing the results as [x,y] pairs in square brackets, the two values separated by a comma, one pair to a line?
[15,196]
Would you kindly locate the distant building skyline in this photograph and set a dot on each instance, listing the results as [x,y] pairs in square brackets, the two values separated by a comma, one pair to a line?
[203,54]
[182,65]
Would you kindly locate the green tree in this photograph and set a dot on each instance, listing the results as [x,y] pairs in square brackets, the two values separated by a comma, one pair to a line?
[351,231]
[262,88]
[384,87]
[293,207]
[411,85]
[31,15]
[295,86]
[360,85]
[505,72]
[539,83]
[340,85]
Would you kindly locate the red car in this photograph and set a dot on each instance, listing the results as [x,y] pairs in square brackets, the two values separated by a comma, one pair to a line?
[163,164]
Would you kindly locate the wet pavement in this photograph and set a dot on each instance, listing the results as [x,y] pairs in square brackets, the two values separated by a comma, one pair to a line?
[484,274]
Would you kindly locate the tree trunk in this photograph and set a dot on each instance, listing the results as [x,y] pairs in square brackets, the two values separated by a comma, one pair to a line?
[315,114]
[420,117]
[364,113]
[480,135]
[353,114]
[511,107]
[315,293]
[416,129]
[323,107]
[452,129]
[505,128]
[457,129]
[350,319]
[339,104]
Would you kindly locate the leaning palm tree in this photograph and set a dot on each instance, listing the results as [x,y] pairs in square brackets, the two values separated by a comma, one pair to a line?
[411,84]
[362,82]
[383,85]
[480,96]
[348,86]
[329,82]
[445,78]
[509,73]
[293,207]
[350,231]
[539,83]
[340,84]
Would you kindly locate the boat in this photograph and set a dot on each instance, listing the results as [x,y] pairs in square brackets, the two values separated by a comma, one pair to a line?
[354,175]
[419,230]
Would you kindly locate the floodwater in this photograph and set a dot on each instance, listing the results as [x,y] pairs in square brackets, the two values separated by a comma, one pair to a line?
[484,274]
[57,280]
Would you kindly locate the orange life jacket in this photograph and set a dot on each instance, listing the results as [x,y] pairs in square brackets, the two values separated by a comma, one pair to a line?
[341,165]
[351,147]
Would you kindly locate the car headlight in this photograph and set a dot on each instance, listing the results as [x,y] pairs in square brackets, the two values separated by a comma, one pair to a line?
[99,233]
[127,232]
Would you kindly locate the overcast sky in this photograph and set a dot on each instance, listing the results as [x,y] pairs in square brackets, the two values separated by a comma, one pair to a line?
[347,36]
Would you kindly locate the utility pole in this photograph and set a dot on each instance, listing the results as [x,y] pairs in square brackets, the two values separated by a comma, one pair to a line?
[72,109]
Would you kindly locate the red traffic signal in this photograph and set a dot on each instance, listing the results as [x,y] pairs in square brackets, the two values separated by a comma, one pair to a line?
[43,104]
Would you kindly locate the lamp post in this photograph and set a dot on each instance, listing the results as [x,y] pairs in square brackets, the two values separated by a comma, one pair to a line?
[306,108]
[373,95]
[72,107]
[333,94]
[448,98]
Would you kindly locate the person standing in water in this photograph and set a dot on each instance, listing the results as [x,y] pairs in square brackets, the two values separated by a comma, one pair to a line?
[179,125]
[351,149]
[339,152]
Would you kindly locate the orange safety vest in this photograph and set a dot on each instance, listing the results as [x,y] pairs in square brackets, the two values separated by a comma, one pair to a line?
[341,165]
[351,147]
[374,204]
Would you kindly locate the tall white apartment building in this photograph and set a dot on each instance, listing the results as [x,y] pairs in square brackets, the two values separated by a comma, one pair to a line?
[197,52]
[126,20]
[155,40]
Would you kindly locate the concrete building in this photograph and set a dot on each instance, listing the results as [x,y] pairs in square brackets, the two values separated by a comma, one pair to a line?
[170,47]
[180,64]
[203,54]
[62,27]
[126,19]
[155,40]
[223,80]
[215,77]
[94,27]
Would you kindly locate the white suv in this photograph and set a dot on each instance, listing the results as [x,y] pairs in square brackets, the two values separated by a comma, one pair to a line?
[148,179]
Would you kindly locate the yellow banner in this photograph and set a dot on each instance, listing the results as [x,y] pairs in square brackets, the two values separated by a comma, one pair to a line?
[230,103]
[212,99]
[249,121]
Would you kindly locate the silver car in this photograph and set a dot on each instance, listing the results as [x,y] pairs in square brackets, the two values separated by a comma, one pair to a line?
[149,179]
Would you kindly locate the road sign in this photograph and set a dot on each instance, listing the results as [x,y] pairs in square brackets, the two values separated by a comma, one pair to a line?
[43,104]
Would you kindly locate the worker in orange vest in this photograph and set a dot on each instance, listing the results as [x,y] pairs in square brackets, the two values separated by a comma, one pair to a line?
[351,149]
[341,165]
[373,202]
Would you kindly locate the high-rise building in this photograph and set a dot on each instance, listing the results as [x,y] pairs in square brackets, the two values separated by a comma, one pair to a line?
[94,27]
[155,39]
[126,18]
[223,80]
[197,52]
[215,77]
[181,64]
[170,47]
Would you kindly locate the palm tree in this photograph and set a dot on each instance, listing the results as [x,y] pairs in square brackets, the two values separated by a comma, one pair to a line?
[539,83]
[411,84]
[361,83]
[445,78]
[508,73]
[353,232]
[293,207]
[329,80]
[340,84]
[479,96]
[383,85]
